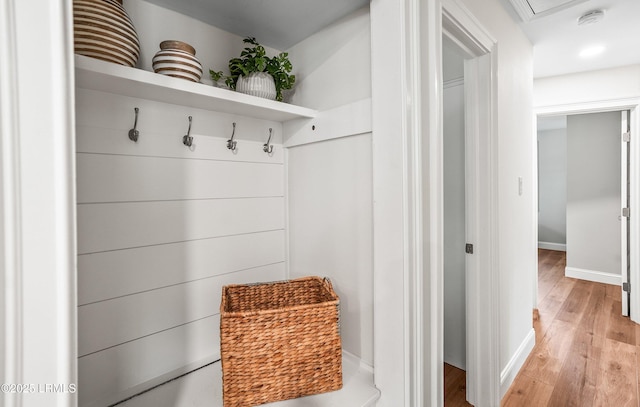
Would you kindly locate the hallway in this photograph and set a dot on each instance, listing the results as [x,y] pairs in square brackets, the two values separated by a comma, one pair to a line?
[586,353]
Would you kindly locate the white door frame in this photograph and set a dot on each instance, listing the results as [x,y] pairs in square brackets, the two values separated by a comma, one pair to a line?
[624,193]
[482,278]
[633,105]
[38,201]
[10,251]
[406,63]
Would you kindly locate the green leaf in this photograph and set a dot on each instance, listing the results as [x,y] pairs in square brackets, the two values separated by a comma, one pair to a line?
[215,75]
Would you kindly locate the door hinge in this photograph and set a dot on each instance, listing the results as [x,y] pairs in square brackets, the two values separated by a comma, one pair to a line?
[626,212]
[626,287]
[468,248]
[626,137]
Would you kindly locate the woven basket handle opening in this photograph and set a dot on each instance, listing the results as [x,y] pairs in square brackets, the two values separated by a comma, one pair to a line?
[327,282]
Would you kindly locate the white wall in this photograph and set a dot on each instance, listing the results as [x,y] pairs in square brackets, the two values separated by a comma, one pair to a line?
[330,181]
[333,67]
[552,188]
[154,24]
[454,224]
[452,61]
[607,84]
[593,192]
[330,229]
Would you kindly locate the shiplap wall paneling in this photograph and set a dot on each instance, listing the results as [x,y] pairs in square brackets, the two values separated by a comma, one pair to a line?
[115,226]
[162,126]
[206,146]
[161,228]
[115,178]
[117,273]
[123,319]
[102,375]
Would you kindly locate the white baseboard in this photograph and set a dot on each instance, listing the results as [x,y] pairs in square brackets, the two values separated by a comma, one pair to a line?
[510,371]
[560,247]
[356,359]
[591,275]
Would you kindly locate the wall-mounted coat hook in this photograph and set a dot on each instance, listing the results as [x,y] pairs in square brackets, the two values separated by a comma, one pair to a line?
[187,140]
[134,133]
[231,143]
[267,147]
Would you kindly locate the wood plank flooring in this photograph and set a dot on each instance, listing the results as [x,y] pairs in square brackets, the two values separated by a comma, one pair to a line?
[455,386]
[586,353]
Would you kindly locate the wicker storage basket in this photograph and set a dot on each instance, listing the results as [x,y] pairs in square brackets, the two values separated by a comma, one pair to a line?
[279,341]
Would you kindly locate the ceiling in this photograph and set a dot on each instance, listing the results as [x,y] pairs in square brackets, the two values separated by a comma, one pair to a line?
[551,26]
[278,24]
[557,38]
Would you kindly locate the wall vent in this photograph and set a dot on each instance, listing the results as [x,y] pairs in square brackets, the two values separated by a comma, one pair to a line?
[529,9]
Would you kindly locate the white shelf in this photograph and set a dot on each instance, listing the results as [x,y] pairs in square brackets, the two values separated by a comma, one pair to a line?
[203,388]
[104,76]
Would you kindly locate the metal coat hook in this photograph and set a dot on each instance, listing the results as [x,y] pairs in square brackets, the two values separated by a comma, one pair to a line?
[134,133]
[268,148]
[231,143]
[187,140]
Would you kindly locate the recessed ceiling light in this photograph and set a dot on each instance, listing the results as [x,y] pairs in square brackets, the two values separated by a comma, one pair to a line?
[592,51]
[591,17]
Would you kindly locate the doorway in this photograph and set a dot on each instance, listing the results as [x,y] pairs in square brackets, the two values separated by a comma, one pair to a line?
[583,186]
[454,234]
[477,177]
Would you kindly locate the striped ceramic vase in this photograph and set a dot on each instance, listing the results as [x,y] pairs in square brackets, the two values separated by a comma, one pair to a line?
[177,59]
[103,30]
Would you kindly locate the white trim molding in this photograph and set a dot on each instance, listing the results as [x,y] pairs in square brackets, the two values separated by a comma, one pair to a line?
[512,368]
[560,247]
[593,275]
[392,242]
[343,121]
[45,195]
[10,225]
[428,279]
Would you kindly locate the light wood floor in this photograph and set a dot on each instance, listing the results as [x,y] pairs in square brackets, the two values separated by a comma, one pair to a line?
[586,353]
[455,386]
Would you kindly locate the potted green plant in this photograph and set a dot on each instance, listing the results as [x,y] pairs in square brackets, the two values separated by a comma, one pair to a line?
[257,74]
[220,80]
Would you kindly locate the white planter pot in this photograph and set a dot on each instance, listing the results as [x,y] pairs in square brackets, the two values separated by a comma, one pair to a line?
[259,84]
